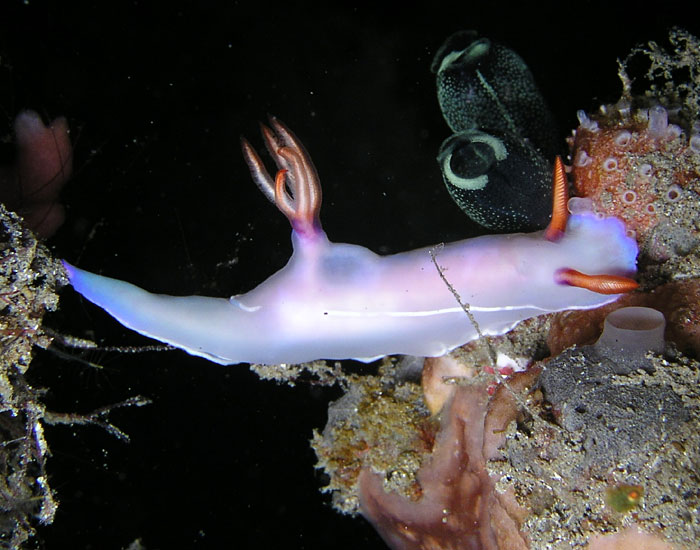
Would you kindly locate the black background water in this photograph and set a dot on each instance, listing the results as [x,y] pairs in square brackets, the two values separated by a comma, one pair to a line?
[157,97]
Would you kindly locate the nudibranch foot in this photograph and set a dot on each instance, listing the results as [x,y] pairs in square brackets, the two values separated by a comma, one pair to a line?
[343,301]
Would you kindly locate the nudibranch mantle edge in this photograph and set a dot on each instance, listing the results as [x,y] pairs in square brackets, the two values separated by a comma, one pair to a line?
[343,301]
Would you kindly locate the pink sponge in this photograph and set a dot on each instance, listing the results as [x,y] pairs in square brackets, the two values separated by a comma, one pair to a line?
[43,166]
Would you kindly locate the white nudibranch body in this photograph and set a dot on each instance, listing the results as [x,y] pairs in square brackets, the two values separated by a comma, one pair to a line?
[342,301]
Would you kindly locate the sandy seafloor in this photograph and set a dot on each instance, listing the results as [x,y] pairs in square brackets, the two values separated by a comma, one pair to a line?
[157,98]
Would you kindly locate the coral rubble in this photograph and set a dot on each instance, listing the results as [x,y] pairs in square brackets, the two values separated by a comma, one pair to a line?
[29,278]
[601,432]
[594,447]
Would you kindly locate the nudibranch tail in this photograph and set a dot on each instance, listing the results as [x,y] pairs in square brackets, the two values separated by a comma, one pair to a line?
[200,326]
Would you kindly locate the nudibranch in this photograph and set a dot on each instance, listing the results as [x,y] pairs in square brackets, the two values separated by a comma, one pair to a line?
[343,301]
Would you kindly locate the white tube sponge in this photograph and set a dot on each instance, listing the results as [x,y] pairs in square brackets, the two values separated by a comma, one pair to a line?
[633,331]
